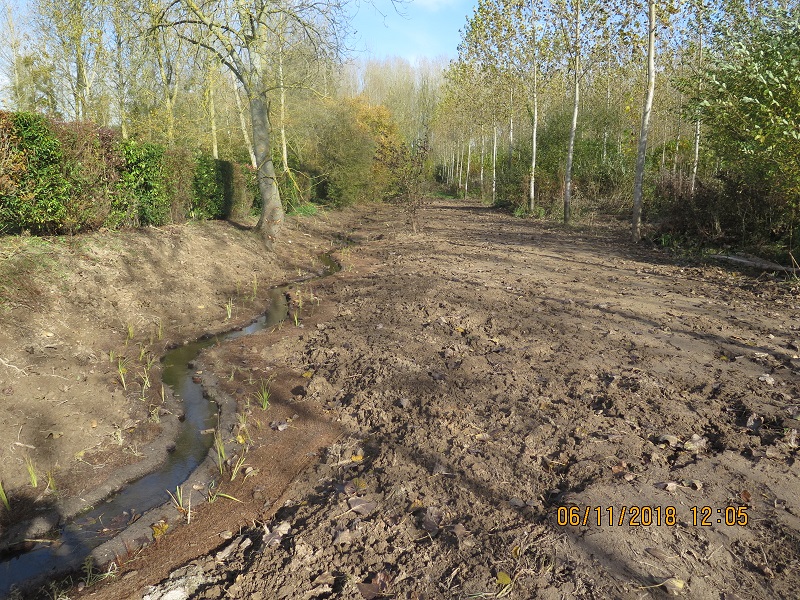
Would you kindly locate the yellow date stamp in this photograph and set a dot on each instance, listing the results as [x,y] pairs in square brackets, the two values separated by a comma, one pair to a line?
[650,516]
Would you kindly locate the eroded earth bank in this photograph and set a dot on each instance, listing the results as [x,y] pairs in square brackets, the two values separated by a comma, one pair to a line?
[448,403]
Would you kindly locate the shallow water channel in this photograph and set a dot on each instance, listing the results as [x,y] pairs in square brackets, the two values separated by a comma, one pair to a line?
[77,539]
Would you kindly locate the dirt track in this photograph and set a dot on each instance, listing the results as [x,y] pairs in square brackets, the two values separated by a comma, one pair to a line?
[484,377]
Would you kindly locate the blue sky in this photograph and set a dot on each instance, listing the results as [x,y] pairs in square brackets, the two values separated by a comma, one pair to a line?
[419,28]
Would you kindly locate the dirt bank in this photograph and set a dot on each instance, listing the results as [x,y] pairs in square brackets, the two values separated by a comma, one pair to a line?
[83,323]
[477,387]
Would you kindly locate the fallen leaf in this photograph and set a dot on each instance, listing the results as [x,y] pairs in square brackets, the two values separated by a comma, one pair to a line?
[745,496]
[460,531]
[670,486]
[672,440]
[754,422]
[273,537]
[697,443]
[503,578]
[308,374]
[431,520]
[379,586]
[159,528]
[674,586]
[368,590]
[361,506]
[619,468]
[416,505]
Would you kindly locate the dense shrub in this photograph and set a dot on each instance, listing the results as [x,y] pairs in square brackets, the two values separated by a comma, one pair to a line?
[91,165]
[211,178]
[144,183]
[73,177]
[179,168]
[37,196]
[346,152]
[747,97]
[12,161]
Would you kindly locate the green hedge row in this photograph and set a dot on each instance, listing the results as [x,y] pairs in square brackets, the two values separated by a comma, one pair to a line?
[71,177]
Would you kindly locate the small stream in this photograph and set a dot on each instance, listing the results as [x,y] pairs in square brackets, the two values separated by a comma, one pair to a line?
[91,529]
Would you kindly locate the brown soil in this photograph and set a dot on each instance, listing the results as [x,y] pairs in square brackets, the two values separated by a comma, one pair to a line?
[472,386]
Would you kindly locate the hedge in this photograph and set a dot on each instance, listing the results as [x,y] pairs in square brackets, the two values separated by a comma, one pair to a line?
[60,178]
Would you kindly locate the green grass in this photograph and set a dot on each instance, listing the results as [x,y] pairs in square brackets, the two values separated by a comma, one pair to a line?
[183,505]
[219,446]
[238,466]
[4,498]
[264,393]
[34,479]
[122,369]
[303,209]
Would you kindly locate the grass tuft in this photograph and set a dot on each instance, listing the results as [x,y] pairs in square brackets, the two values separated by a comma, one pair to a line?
[264,393]
[34,479]
[4,497]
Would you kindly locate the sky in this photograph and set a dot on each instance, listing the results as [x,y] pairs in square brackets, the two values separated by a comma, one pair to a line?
[415,29]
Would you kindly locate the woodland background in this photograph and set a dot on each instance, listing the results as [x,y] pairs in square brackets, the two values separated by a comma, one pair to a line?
[131,113]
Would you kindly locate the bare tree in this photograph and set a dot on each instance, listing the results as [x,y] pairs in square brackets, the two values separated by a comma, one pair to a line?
[241,35]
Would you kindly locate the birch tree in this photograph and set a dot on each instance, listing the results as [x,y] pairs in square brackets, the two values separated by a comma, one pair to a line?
[509,36]
[636,220]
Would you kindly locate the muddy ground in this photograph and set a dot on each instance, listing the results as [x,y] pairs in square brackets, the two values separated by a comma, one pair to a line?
[452,414]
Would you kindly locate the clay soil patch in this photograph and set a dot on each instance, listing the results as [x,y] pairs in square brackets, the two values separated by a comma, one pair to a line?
[507,408]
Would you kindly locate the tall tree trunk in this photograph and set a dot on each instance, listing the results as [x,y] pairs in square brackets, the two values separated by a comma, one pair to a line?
[271,209]
[461,174]
[284,145]
[696,150]
[243,125]
[494,167]
[574,124]
[604,157]
[213,116]
[534,127]
[80,85]
[466,177]
[571,145]
[534,120]
[636,220]
[483,144]
[511,134]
